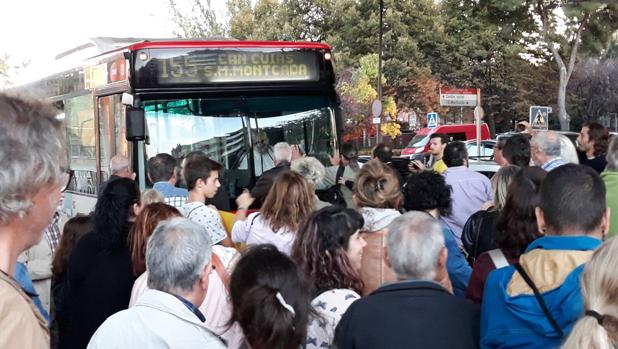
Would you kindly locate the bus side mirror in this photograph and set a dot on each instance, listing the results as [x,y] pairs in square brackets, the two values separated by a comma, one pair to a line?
[136,124]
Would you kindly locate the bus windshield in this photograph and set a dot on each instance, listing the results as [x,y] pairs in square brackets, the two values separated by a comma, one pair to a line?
[239,132]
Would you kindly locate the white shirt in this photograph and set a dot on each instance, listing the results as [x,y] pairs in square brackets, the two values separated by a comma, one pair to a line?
[206,216]
[158,320]
[255,230]
[330,306]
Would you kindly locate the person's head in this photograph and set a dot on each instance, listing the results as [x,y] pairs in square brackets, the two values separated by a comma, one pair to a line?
[437,143]
[612,156]
[349,155]
[516,225]
[593,139]
[150,196]
[270,299]
[544,147]
[329,249]
[599,283]
[416,248]
[498,156]
[119,165]
[427,191]
[310,168]
[282,152]
[573,202]
[144,225]
[118,205]
[178,258]
[383,152]
[500,183]
[34,164]
[516,150]
[455,154]
[377,186]
[202,175]
[72,231]
[162,168]
[568,152]
[289,202]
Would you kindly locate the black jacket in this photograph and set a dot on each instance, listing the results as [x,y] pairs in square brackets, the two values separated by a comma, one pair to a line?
[266,181]
[409,314]
[477,235]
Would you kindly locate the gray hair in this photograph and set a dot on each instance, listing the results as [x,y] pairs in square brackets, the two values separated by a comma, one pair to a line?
[282,152]
[414,243]
[568,153]
[176,255]
[310,168]
[612,156]
[500,183]
[32,152]
[548,142]
[119,164]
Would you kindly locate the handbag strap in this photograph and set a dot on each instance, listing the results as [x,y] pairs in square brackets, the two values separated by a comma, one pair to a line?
[221,271]
[539,298]
[498,258]
[340,171]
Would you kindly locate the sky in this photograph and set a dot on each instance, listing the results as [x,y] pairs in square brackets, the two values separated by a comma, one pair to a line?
[37,30]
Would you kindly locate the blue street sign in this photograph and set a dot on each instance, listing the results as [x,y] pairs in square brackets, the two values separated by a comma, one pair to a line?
[539,117]
[432,120]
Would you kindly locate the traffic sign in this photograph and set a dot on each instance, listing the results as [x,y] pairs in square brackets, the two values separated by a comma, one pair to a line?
[432,120]
[458,97]
[376,108]
[539,117]
[376,121]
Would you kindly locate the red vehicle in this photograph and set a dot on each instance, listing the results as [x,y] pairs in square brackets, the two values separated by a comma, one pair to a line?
[419,145]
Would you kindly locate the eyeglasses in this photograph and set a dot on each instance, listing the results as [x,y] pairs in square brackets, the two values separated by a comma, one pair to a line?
[65,179]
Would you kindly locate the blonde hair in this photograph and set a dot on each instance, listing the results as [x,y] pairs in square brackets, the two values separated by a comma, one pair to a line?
[500,183]
[289,202]
[310,168]
[150,196]
[377,186]
[599,289]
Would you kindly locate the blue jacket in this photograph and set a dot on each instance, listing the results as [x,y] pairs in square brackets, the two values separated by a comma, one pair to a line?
[23,279]
[511,316]
[459,270]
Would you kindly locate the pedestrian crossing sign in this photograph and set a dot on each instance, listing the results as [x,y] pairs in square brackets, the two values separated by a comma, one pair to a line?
[539,117]
[432,120]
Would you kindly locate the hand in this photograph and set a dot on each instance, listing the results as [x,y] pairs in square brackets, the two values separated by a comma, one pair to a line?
[244,200]
[342,180]
[296,153]
[416,166]
[335,160]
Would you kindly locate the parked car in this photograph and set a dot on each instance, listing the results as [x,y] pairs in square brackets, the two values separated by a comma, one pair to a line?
[418,148]
[487,149]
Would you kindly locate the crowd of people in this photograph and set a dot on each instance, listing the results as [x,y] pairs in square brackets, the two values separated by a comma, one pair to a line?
[349,255]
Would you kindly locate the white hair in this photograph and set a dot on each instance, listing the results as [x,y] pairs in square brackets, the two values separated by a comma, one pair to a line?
[282,152]
[118,164]
[414,243]
[548,142]
[310,168]
[568,153]
[176,255]
[32,152]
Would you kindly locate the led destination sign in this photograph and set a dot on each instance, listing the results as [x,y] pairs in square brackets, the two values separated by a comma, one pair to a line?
[227,66]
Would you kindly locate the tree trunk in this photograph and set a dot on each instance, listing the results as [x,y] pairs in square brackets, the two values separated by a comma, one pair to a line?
[563,116]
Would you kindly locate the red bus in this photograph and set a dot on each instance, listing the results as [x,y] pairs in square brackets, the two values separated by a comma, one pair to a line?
[232,100]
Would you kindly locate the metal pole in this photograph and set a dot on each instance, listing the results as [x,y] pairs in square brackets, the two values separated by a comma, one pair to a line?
[378,136]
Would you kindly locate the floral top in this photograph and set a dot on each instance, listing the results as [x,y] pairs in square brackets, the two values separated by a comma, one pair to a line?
[206,216]
[330,306]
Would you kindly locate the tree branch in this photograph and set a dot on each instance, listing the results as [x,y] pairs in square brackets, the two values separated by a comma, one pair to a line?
[576,45]
[542,11]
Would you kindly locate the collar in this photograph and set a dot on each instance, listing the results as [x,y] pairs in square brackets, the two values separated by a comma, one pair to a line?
[410,285]
[457,169]
[573,242]
[191,307]
[551,162]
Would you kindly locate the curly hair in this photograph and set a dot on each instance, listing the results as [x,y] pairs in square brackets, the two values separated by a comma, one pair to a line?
[320,249]
[113,212]
[311,168]
[427,190]
[289,202]
[144,225]
[599,134]
[377,186]
[516,225]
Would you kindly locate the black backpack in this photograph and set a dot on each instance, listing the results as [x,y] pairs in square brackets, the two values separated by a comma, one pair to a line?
[333,194]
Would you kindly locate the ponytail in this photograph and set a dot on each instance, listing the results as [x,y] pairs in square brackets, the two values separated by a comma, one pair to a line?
[590,333]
